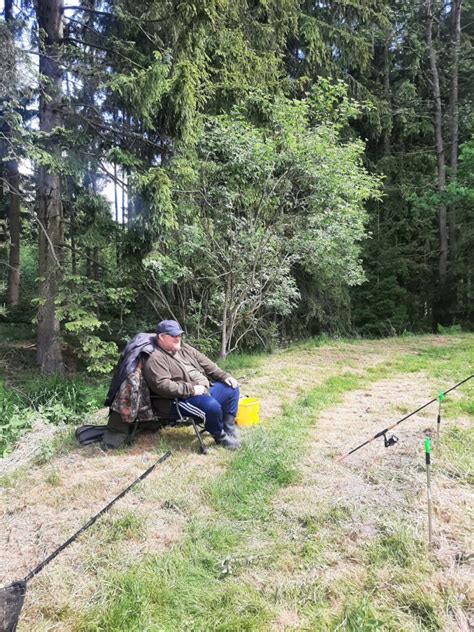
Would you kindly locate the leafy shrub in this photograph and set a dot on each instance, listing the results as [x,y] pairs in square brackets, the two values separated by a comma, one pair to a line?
[14,420]
[75,395]
[453,330]
[55,399]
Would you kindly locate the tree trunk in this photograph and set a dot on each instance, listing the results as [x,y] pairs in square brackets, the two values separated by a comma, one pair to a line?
[224,332]
[387,96]
[13,179]
[224,340]
[50,211]
[124,210]
[454,122]
[116,205]
[438,129]
[13,279]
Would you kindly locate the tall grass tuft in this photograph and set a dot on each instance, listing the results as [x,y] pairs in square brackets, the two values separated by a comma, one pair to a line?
[455,453]
[57,400]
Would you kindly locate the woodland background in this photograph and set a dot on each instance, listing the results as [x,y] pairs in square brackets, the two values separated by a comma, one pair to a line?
[260,170]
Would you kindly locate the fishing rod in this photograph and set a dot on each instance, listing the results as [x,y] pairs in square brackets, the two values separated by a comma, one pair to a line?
[389,441]
[13,595]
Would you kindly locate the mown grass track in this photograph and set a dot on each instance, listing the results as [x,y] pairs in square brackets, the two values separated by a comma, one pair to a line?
[277,537]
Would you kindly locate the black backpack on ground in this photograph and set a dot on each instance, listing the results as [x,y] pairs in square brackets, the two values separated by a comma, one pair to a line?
[90,434]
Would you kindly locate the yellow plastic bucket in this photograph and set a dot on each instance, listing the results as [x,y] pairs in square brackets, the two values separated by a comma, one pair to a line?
[247,413]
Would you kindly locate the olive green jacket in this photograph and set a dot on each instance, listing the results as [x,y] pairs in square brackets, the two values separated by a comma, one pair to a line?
[168,378]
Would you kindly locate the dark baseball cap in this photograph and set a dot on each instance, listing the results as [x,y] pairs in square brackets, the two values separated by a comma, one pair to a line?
[170,327]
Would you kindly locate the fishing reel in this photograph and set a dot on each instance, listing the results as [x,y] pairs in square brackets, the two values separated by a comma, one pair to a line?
[389,441]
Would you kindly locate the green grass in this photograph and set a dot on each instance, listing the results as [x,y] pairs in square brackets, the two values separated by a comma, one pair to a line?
[75,396]
[447,366]
[268,461]
[57,400]
[395,546]
[125,525]
[14,419]
[11,480]
[262,466]
[180,590]
[443,363]
[216,577]
[53,479]
[241,361]
[315,342]
[455,453]
[185,588]
[359,616]
[60,444]
[423,606]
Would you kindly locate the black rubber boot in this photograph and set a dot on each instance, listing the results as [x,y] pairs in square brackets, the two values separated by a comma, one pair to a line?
[227,442]
[116,434]
[229,426]
[114,440]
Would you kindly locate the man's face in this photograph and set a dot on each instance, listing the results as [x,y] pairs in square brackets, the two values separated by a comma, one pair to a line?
[169,343]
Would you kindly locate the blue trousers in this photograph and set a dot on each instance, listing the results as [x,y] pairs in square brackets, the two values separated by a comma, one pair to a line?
[222,400]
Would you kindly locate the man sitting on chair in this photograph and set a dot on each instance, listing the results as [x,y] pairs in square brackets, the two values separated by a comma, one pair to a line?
[176,370]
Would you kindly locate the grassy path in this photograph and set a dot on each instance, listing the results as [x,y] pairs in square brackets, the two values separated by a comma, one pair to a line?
[277,536]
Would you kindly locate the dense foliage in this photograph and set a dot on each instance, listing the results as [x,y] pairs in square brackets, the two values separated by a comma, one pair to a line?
[257,170]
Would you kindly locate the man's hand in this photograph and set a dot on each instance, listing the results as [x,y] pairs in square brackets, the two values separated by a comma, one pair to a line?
[199,389]
[231,381]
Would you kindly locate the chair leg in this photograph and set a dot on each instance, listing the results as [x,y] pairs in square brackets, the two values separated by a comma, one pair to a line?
[198,435]
[133,432]
[203,448]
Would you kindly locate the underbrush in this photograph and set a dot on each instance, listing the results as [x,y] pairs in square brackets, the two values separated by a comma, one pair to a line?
[13,332]
[56,400]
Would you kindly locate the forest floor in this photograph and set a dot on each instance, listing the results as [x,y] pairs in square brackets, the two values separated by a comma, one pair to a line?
[279,535]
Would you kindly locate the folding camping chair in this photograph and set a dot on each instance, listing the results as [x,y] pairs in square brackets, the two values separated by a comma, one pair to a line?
[171,422]
[128,376]
[94,434]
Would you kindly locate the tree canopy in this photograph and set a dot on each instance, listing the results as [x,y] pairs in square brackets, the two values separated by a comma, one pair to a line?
[258,170]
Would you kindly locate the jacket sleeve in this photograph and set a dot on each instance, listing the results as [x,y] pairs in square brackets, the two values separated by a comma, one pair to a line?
[209,367]
[158,377]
